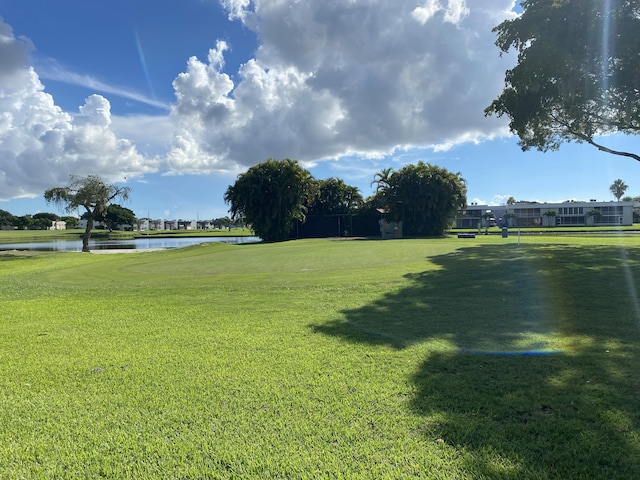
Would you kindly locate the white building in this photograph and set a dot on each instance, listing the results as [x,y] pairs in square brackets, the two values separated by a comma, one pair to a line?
[564,214]
[187,225]
[58,225]
[204,225]
[171,225]
[143,224]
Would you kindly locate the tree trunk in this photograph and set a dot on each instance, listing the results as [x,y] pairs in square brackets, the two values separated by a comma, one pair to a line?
[87,235]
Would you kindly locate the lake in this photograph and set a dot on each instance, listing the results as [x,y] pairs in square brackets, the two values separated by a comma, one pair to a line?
[130,244]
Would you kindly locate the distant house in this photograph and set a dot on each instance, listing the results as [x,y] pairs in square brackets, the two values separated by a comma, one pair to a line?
[143,224]
[204,225]
[171,225]
[187,225]
[531,214]
[101,225]
[58,225]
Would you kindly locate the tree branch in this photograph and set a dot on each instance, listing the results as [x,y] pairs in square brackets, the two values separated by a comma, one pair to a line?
[589,139]
[602,148]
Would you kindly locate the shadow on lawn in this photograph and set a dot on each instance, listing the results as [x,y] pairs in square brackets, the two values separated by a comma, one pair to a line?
[511,411]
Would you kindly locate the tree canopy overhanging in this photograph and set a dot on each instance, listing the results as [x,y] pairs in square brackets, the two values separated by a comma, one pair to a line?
[577,76]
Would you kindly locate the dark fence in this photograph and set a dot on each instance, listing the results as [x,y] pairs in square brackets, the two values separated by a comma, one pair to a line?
[324,226]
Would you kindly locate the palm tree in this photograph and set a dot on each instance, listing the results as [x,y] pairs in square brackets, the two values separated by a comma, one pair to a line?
[487,216]
[382,179]
[617,188]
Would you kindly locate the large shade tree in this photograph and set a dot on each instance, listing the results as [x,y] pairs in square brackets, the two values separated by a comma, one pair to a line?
[24,222]
[577,76]
[6,219]
[270,196]
[334,197]
[115,215]
[90,193]
[424,197]
[222,222]
[72,222]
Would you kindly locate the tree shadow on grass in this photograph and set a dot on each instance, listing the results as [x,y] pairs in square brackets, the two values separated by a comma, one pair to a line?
[537,376]
[548,416]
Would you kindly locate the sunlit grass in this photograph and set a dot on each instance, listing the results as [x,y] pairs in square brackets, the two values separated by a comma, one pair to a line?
[324,359]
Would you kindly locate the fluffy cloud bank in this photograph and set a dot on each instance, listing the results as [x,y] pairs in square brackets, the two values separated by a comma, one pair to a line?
[40,145]
[336,78]
[328,79]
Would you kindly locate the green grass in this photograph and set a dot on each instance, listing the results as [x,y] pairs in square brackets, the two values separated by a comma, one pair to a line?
[444,358]
[16,236]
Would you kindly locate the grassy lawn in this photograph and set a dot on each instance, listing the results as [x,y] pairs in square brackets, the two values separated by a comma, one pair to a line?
[19,236]
[445,358]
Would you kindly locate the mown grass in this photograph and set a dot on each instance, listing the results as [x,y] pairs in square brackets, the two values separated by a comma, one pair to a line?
[17,236]
[444,358]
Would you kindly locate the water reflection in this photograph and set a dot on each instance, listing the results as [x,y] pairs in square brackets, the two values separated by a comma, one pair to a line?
[132,244]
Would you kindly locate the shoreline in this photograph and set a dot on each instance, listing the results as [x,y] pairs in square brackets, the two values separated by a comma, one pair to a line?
[111,251]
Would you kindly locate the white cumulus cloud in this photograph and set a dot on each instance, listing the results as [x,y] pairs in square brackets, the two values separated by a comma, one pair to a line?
[337,78]
[329,79]
[453,11]
[40,145]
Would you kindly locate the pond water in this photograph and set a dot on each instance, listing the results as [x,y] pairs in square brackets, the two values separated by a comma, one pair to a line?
[134,243]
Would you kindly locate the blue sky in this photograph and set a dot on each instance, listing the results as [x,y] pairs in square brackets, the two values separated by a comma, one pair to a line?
[175,99]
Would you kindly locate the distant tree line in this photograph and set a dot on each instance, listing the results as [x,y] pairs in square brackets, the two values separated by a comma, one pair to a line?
[115,216]
[38,221]
[276,197]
